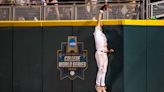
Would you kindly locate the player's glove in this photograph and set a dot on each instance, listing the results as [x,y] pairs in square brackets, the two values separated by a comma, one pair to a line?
[105,6]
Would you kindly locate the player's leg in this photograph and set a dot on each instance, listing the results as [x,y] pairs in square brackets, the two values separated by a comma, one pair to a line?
[99,61]
[105,65]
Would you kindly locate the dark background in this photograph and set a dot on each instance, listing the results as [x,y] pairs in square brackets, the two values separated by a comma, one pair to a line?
[28,59]
[143,59]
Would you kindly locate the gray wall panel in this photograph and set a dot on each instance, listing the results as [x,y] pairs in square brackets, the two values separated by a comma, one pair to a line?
[155,61]
[5,59]
[135,67]
[27,63]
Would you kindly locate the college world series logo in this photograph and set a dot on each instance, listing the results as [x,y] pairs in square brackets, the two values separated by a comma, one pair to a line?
[72,59]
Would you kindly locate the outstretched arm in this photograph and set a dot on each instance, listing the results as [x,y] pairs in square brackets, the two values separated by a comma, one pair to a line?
[100,14]
[106,1]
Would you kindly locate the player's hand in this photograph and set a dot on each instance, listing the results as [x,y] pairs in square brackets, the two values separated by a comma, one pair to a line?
[111,50]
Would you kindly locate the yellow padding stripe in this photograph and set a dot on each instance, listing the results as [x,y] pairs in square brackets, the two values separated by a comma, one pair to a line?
[144,22]
[155,22]
[57,23]
[135,22]
[20,23]
[6,24]
[80,23]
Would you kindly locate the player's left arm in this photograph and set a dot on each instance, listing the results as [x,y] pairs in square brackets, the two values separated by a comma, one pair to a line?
[106,1]
[100,15]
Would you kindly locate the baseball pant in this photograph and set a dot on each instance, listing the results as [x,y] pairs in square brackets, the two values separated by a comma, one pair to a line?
[102,63]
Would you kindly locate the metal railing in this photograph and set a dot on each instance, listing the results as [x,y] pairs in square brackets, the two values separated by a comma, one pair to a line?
[74,11]
[157,9]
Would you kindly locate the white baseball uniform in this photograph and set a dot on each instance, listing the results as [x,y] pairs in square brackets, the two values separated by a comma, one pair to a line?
[101,55]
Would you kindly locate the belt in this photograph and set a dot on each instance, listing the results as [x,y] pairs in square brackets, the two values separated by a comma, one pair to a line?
[102,51]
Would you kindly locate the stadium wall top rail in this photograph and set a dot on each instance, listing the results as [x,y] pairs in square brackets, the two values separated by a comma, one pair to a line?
[80,23]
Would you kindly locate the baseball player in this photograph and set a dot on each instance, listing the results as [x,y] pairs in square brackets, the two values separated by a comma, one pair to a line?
[101,52]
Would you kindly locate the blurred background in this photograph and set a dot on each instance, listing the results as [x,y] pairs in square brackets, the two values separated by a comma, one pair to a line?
[79,9]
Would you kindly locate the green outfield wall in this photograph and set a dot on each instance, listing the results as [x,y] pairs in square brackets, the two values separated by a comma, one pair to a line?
[28,55]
